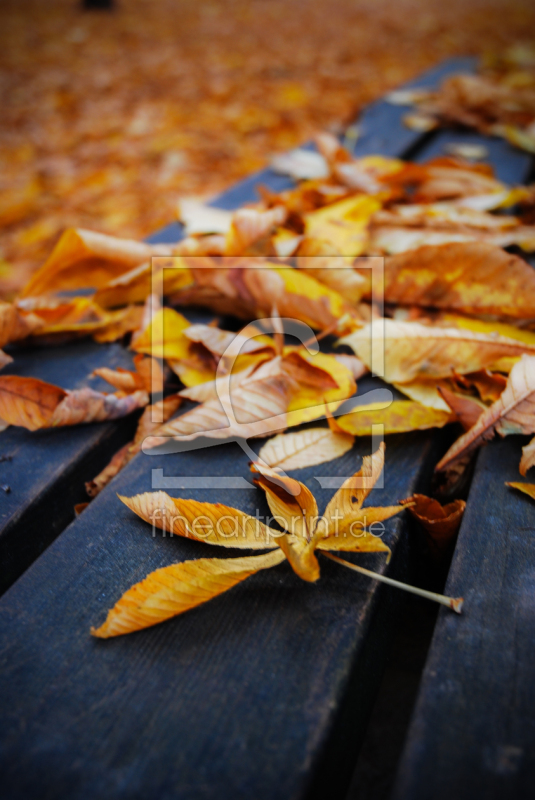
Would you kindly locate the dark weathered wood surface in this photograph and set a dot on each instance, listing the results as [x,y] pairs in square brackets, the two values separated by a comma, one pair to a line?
[263,692]
[45,470]
[235,699]
[473,729]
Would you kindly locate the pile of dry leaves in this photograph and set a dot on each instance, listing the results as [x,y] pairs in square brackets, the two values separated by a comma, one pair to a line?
[455,336]
[500,101]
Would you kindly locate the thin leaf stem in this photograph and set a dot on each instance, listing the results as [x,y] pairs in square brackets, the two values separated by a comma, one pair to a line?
[455,603]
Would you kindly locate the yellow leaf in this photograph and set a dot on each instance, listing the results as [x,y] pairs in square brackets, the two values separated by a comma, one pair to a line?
[343,225]
[213,523]
[527,488]
[344,523]
[83,259]
[172,590]
[424,392]
[164,336]
[291,502]
[398,417]
[300,555]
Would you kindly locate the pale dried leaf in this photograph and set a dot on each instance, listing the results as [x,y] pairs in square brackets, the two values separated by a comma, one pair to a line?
[412,350]
[305,448]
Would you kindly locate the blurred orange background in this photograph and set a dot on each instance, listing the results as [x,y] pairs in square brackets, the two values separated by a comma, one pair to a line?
[108,118]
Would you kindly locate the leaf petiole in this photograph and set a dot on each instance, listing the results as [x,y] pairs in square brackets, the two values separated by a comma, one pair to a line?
[455,603]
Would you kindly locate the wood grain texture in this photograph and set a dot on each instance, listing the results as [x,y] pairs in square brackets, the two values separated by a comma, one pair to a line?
[472,733]
[473,729]
[45,470]
[235,699]
[262,693]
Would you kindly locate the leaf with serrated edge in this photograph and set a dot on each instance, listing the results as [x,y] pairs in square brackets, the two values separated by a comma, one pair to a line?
[172,590]
[213,523]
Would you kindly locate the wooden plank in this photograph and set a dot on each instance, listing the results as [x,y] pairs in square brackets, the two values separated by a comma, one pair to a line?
[45,470]
[473,729]
[262,693]
[378,120]
[236,699]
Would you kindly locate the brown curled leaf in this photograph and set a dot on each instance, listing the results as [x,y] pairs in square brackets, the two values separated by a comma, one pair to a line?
[33,404]
[441,523]
[513,412]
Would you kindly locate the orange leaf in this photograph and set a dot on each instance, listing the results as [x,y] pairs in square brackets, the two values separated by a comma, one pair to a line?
[473,277]
[83,259]
[172,590]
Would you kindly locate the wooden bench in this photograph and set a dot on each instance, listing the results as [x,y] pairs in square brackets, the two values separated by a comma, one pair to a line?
[264,693]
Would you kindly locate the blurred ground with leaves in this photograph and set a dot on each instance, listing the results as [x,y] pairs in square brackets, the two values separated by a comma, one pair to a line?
[108,118]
